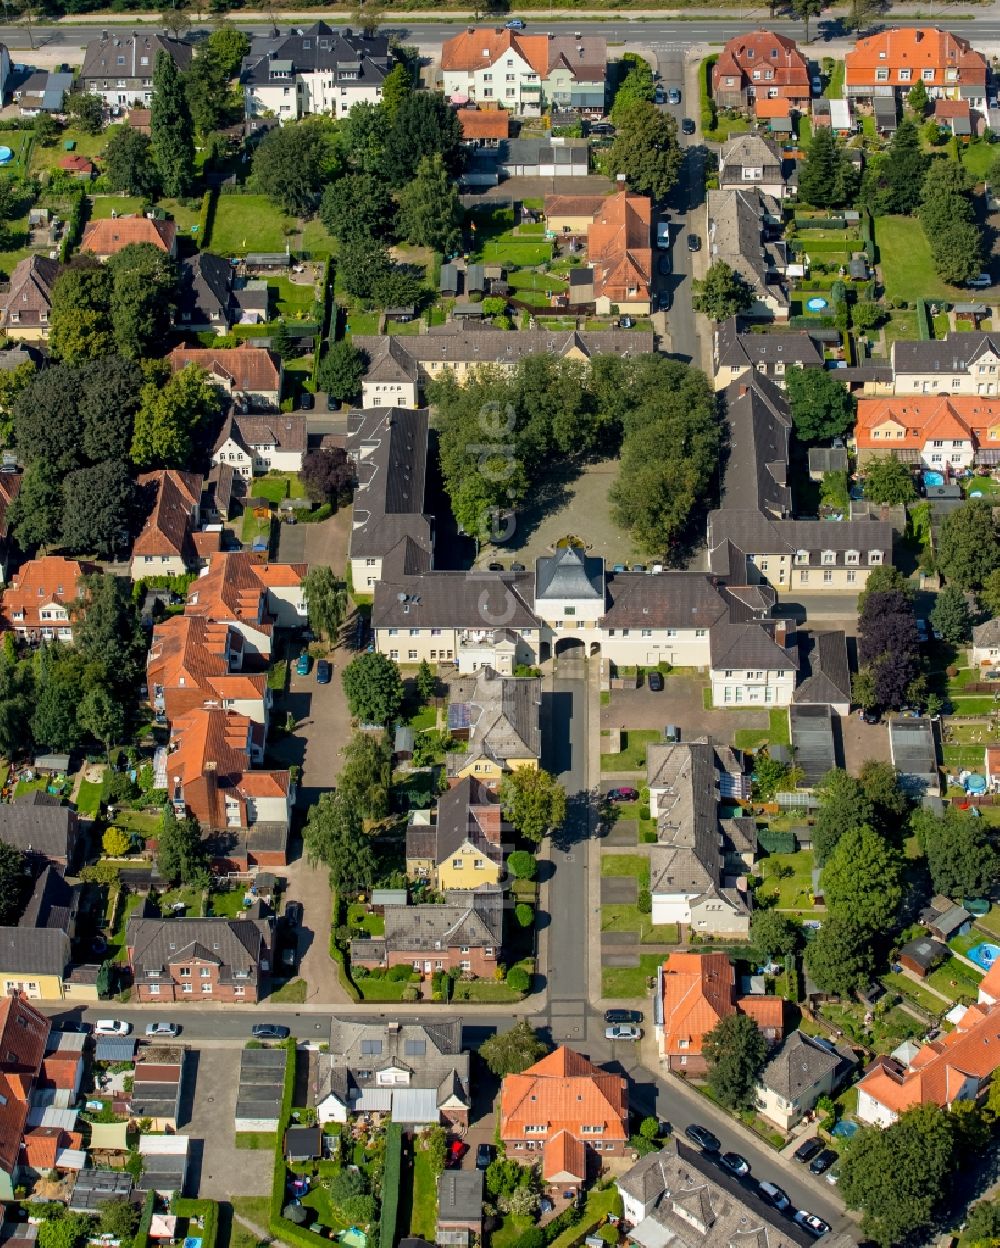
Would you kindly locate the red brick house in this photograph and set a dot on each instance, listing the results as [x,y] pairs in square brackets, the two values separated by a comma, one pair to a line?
[226,960]
[568,1109]
[464,934]
[761,65]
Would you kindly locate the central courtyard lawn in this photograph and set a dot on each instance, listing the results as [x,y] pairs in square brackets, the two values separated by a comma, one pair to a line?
[792,891]
[636,865]
[629,981]
[248,223]
[633,755]
[905,258]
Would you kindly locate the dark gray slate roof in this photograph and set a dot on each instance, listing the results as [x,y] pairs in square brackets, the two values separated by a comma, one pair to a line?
[101,59]
[343,55]
[503,713]
[569,573]
[233,944]
[389,446]
[460,1196]
[680,600]
[38,826]
[468,917]
[736,349]
[406,598]
[827,459]
[952,354]
[31,951]
[746,646]
[824,668]
[924,951]
[460,343]
[797,1066]
[813,742]
[760,429]
[50,903]
[457,820]
[753,533]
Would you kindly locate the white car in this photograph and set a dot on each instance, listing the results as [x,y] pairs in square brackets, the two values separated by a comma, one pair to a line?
[623,1031]
[162,1029]
[810,1222]
[111,1027]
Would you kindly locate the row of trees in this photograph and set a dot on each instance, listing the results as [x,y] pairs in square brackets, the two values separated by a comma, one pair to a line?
[500,431]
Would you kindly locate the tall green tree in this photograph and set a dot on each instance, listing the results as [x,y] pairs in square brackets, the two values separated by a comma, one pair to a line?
[722,293]
[840,957]
[894,182]
[326,599]
[15,880]
[968,548]
[861,881]
[822,408]
[646,150]
[341,370]
[358,205]
[888,480]
[35,515]
[735,1051]
[424,124]
[637,84]
[951,617]
[534,802]
[173,418]
[181,854]
[366,775]
[374,688]
[774,933]
[842,806]
[396,87]
[333,835]
[128,162]
[961,857]
[142,299]
[898,1176]
[430,213]
[827,178]
[512,1052]
[79,324]
[918,100]
[171,128]
[97,508]
[292,164]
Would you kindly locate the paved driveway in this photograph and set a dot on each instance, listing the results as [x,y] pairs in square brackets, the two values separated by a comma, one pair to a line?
[218,1168]
[680,703]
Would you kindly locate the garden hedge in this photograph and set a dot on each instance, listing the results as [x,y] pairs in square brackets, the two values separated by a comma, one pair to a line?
[206,218]
[207,1210]
[391,1178]
[777,842]
[923,321]
[145,1222]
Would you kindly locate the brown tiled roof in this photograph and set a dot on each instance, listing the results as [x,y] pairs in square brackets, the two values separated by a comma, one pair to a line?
[108,237]
[285,431]
[567,1092]
[250,369]
[167,529]
[30,287]
[231,589]
[763,50]
[38,583]
[573,205]
[482,123]
[620,248]
[474,49]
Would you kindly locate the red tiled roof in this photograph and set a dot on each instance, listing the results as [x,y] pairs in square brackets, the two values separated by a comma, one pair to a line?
[764,51]
[249,369]
[167,529]
[492,123]
[108,237]
[23,1033]
[698,992]
[40,583]
[915,48]
[913,420]
[76,164]
[766,109]
[234,586]
[947,109]
[620,247]
[565,1092]
[564,1157]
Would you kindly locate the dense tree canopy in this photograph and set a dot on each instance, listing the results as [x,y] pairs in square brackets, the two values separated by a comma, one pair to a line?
[511,1052]
[128,162]
[333,835]
[961,857]
[951,616]
[968,548]
[174,419]
[889,645]
[430,213]
[292,164]
[327,474]
[822,407]
[827,179]
[840,957]
[723,293]
[326,599]
[735,1050]
[646,150]
[861,881]
[374,688]
[171,128]
[888,480]
[533,801]
[14,882]
[893,182]
[843,805]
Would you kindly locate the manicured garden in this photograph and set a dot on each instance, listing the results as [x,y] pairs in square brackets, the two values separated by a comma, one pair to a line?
[633,753]
[905,260]
[248,223]
[630,981]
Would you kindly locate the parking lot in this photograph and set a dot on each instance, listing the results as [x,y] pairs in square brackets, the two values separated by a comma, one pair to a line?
[680,703]
[218,1168]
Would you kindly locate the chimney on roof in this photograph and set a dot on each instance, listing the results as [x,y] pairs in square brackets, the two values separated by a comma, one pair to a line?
[917,36]
[104,36]
[784,630]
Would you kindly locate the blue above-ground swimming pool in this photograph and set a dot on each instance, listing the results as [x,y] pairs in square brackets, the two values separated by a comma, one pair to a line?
[933,478]
[6,155]
[984,955]
[816,304]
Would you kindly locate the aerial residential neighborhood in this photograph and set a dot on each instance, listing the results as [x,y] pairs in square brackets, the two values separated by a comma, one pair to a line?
[499,628]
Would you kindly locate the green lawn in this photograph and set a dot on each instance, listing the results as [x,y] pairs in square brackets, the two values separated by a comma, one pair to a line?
[636,865]
[990,922]
[292,993]
[977,158]
[527,279]
[794,892]
[834,88]
[277,486]
[358,917]
[248,223]
[484,990]
[191,897]
[905,258]
[362,323]
[626,918]
[518,253]
[629,981]
[19,142]
[633,756]
[295,301]
[88,798]
[600,1202]
[379,989]
[227,905]
[316,241]
[955,979]
[102,206]
[902,324]
[89,145]
[140,821]
[510,1230]
[915,992]
[252,528]
[423,1209]
[254,1140]
[776,733]
[116,940]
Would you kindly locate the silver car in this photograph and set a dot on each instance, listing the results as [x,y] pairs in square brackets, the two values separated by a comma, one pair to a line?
[162,1029]
[623,1031]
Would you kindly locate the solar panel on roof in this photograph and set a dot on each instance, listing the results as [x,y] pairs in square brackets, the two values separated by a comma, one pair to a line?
[371,1048]
[459,715]
[415,1048]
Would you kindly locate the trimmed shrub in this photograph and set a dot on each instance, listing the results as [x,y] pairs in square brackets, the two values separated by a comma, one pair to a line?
[777,842]
[390,1184]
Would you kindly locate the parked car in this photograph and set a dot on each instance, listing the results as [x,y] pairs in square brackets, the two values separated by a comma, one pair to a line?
[871,715]
[663,301]
[688,126]
[495,567]
[665,265]
[704,1138]
[623,1031]
[515,23]
[810,1222]
[293,913]
[823,1161]
[774,1196]
[623,795]
[808,1149]
[302,664]
[658,96]
[674,95]
[323,672]
[162,1029]
[923,632]
[307,401]
[735,1164]
[269,1031]
[453,1157]
[672,734]
[623,1016]
[289,957]
[694,242]
[484,1155]
[654,682]
[981,282]
[111,1027]
[817,85]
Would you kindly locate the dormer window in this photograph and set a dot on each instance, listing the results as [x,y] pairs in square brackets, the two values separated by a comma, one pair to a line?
[802,556]
[829,556]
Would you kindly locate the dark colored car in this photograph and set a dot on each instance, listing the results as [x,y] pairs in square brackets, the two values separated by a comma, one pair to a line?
[495,567]
[808,1149]
[293,913]
[269,1031]
[694,242]
[664,266]
[484,1155]
[623,795]
[688,126]
[655,682]
[735,1164]
[518,567]
[823,1161]
[704,1138]
[870,716]
[307,401]
[322,672]
[623,1016]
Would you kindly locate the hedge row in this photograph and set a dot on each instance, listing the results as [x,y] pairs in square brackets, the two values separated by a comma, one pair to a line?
[338,955]
[777,842]
[207,1210]
[811,322]
[324,333]
[206,218]
[146,1221]
[391,1178]
[709,113]
[74,227]
[820,223]
[923,321]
